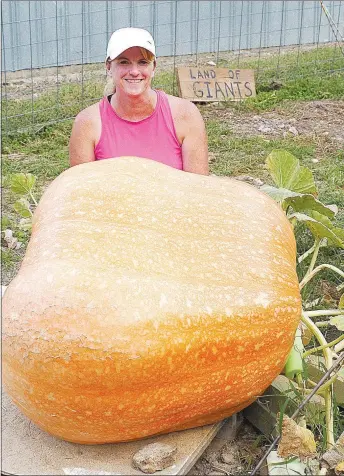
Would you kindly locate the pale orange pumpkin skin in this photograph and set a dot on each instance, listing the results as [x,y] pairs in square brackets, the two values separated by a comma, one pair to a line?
[149,300]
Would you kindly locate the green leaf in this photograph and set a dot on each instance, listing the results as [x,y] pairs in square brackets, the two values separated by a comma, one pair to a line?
[298,201]
[22,183]
[319,230]
[287,173]
[22,207]
[341,302]
[338,321]
[5,223]
[339,232]
[278,194]
[306,202]
[321,218]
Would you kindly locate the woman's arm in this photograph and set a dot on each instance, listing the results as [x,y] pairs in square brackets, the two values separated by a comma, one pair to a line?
[195,143]
[191,133]
[82,139]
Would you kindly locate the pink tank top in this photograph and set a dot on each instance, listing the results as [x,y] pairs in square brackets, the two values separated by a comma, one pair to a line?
[153,138]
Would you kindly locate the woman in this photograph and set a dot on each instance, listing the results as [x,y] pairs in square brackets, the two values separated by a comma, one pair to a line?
[136,119]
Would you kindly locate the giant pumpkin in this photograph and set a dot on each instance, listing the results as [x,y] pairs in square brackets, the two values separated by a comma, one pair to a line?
[149,300]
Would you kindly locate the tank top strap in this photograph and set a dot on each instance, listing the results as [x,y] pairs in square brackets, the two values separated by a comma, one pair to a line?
[164,104]
[166,112]
[103,103]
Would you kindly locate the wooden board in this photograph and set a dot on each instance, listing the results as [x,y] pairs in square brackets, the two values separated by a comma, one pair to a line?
[27,450]
[215,84]
[262,418]
[263,412]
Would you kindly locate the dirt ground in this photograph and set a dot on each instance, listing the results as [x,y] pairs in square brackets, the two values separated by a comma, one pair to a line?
[304,118]
[234,458]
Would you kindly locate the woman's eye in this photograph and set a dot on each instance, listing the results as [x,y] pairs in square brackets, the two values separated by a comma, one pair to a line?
[143,62]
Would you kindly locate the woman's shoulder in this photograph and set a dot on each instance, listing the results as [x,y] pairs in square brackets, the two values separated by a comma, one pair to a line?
[181,108]
[186,116]
[89,114]
[88,123]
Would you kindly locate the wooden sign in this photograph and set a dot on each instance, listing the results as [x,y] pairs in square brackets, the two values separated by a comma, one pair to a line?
[215,84]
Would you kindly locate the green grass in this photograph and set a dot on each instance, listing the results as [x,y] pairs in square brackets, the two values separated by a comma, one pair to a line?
[291,65]
[9,260]
[49,107]
[246,155]
[306,89]
[44,154]
[310,75]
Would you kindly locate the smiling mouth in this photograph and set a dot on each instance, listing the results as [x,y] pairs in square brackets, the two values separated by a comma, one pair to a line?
[134,80]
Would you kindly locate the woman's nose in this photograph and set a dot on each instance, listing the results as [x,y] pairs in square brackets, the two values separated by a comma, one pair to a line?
[134,70]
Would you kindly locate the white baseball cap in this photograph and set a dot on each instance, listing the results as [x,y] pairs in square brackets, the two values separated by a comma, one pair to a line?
[125,38]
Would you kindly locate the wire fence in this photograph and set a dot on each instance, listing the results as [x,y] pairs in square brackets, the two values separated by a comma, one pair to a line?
[53,51]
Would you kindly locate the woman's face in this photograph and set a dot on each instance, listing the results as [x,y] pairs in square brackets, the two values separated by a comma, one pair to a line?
[131,72]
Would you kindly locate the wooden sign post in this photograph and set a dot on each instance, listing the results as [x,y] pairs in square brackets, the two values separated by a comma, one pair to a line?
[215,84]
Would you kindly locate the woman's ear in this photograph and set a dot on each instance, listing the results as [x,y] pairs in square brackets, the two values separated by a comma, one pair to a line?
[107,66]
[154,66]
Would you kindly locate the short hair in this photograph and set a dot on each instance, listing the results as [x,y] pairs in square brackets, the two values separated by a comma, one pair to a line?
[148,55]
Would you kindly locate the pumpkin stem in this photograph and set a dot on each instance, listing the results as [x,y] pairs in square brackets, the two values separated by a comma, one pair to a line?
[328,363]
[322,323]
[323,312]
[315,255]
[316,270]
[321,347]
[33,199]
[310,251]
[328,384]
[294,365]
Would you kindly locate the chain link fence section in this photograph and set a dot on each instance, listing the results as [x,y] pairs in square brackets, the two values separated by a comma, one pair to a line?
[53,52]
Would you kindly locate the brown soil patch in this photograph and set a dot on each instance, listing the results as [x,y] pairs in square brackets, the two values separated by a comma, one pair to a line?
[323,119]
[232,458]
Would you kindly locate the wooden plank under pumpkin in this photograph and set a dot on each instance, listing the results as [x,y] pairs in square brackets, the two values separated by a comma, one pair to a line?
[263,412]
